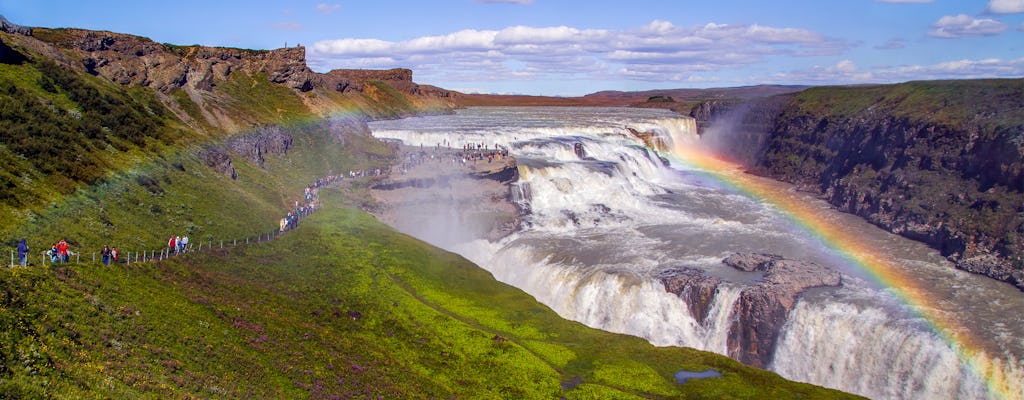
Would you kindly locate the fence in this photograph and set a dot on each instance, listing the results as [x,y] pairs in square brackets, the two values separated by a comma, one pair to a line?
[311,203]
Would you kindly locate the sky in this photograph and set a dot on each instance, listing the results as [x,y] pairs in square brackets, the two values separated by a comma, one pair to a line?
[570,48]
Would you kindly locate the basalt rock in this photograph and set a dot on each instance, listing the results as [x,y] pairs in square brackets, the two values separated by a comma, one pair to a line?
[218,160]
[695,288]
[762,309]
[265,140]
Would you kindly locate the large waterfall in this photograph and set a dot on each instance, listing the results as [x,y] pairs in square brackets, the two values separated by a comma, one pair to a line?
[609,216]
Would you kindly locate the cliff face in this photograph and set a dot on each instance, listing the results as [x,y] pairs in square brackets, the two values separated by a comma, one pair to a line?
[200,71]
[939,162]
[138,61]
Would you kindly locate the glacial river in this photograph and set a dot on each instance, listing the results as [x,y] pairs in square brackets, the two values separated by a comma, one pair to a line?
[601,228]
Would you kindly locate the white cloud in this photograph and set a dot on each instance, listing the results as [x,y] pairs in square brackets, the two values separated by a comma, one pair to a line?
[1006,6]
[961,25]
[325,8]
[845,72]
[658,50]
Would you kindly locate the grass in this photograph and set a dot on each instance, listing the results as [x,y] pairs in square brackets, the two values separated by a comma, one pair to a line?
[341,307]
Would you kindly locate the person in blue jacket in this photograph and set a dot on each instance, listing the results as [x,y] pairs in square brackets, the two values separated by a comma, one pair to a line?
[23,253]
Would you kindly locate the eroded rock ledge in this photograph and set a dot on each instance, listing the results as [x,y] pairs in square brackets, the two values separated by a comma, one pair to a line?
[762,308]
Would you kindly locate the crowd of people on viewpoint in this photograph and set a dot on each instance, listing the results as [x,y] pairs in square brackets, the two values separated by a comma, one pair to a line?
[60,252]
[469,155]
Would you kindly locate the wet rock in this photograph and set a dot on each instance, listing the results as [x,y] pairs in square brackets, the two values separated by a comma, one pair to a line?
[695,288]
[762,309]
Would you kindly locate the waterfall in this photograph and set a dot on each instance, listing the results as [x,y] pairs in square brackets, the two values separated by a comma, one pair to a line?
[603,225]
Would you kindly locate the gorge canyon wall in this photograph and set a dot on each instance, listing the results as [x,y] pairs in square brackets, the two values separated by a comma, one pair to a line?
[939,162]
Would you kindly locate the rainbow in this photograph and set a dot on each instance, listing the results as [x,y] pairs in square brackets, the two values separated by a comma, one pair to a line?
[857,253]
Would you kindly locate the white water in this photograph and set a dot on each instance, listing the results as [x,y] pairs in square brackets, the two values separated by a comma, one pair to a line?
[601,229]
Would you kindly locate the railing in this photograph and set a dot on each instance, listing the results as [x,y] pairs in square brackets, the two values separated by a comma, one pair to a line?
[310,203]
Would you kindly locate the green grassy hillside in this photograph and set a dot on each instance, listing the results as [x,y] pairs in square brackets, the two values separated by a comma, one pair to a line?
[341,307]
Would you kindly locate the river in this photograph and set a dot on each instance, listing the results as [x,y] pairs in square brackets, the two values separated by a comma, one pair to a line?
[606,216]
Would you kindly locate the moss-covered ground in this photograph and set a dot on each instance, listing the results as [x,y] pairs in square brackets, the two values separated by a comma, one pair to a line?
[342,307]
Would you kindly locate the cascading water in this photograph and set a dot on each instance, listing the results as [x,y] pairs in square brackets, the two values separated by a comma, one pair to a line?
[607,217]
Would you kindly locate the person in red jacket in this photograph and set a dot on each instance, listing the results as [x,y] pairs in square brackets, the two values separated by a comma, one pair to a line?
[62,250]
[172,245]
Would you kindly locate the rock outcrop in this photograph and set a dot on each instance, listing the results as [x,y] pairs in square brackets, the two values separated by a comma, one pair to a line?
[264,140]
[218,160]
[139,61]
[761,309]
[695,288]
[348,80]
[10,27]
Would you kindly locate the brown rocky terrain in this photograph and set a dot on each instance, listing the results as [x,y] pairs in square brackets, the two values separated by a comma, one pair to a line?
[200,72]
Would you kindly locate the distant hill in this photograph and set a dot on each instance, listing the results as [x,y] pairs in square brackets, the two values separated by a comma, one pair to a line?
[682,97]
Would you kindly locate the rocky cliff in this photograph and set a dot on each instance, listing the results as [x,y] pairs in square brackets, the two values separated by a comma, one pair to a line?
[200,72]
[761,309]
[938,162]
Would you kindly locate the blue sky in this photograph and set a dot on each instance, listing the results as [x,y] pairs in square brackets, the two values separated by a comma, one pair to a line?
[552,47]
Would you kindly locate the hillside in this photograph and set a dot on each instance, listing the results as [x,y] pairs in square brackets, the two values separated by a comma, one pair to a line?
[941,162]
[114,139]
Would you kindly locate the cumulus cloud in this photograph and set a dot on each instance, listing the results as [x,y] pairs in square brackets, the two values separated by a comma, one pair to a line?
[325,8]
[658,51]
[1006,6]
[847,72]
[961,25]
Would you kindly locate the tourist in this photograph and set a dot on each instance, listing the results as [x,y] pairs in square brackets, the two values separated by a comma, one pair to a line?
[23,253]
[172,245]
[105,255]
[183,244]
[115,254]
[62,250]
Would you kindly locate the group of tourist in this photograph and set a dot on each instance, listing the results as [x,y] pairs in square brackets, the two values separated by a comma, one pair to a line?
[177,245]
[109,254]
[305,207]
[469,154]
[60,252]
